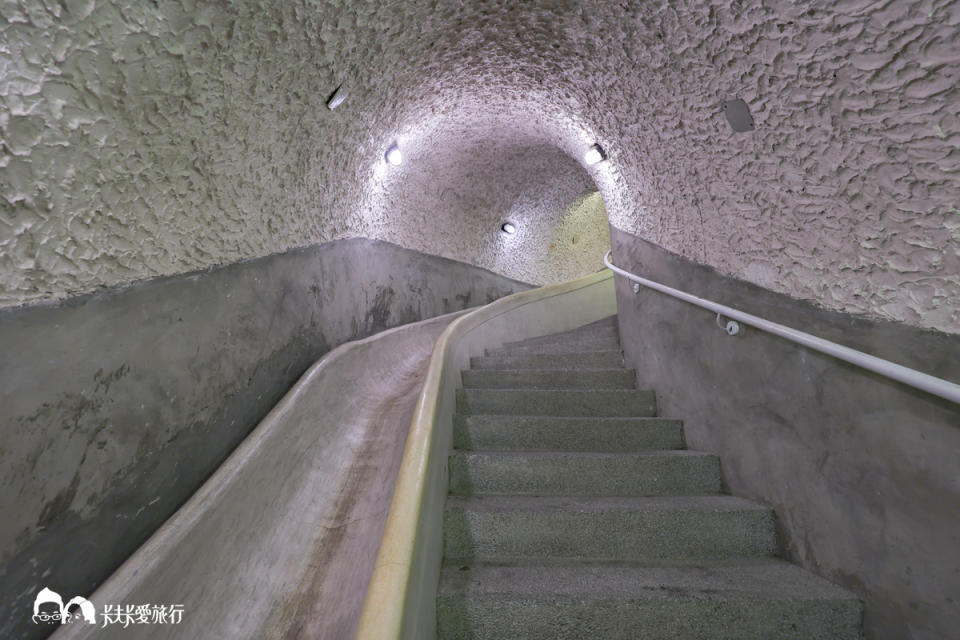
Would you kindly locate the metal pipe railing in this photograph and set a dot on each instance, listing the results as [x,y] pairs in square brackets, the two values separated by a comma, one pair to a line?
[930,384]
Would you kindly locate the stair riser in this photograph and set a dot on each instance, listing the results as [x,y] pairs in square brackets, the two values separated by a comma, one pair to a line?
[593,360]
[532,379]
[540,402]
[496,618]
[651,475]
[617,535]
[545,433]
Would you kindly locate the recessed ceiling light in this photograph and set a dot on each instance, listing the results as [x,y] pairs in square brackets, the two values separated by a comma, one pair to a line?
[508,227]
[594,155]
[394,156]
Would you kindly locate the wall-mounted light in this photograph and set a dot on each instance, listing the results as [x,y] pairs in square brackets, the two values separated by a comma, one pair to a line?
[394,156]
[738,115]
[594,155]
[336,98]
[507,227]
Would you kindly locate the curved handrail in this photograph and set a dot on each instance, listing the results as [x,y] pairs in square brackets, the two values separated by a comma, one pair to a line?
[930,384]
[408,561]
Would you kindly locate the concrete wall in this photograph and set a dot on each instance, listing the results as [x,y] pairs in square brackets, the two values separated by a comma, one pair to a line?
[116,406]
[861,470]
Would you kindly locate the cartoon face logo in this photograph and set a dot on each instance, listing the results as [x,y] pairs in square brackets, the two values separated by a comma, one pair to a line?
[83,610]
[48,608]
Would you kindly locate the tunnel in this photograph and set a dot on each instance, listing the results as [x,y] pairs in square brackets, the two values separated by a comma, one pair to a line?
[201,199]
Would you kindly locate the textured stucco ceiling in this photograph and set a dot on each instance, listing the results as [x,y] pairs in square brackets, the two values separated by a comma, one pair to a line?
[142,139]
[458,185]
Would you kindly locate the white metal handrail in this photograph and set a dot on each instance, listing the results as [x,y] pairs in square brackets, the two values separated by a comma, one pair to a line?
[906,375]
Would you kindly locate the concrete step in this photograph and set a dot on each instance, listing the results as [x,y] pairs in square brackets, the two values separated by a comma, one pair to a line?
[750,599]
[661,473]
[549,433]
[611,343]
[557,402]
[589,360]
[620,529]
[549,379]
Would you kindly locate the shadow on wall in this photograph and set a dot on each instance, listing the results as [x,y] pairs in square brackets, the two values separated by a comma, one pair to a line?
[861,470]
[118,405]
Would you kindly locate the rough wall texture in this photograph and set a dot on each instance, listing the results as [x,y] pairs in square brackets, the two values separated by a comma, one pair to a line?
[116,406]
[861,470]
[142,139]
[461,198]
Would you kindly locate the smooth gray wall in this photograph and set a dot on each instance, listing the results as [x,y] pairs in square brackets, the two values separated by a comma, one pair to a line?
[117,406]
[863,472]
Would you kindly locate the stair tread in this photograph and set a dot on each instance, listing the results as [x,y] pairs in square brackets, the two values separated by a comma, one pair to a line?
[563,473]
[575,402]
[605,359]
[504,432]
[566,392]
[570,354]
[607,378]
[586,421]
[553,341]
[550,341]
[606,504]
[606,343]
[544,371]
[712,579]
[514,453]
[606,326]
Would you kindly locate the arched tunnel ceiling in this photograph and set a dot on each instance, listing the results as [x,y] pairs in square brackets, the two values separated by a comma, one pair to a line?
[455,190]
[145,139]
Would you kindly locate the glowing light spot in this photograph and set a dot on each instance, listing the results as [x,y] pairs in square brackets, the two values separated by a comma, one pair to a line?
[594,155]
[394,156]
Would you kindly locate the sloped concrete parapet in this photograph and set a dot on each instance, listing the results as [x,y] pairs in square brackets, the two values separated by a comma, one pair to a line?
[280,541]
[117,406]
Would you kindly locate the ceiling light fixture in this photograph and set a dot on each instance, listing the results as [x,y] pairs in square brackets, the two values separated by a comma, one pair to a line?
[394,156]
[336,98]
[738,115]
[594,155]
[508,227]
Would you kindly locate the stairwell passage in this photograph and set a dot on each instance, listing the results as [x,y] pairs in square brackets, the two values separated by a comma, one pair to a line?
[575,512]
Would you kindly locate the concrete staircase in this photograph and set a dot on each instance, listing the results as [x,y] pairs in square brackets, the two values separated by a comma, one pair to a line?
[574,512]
